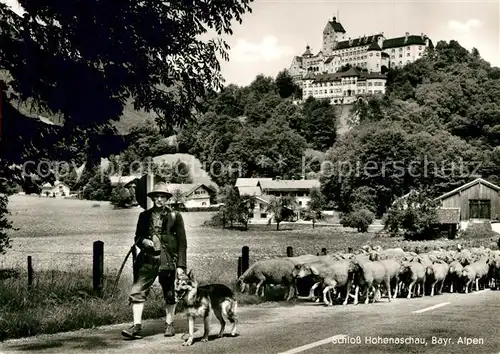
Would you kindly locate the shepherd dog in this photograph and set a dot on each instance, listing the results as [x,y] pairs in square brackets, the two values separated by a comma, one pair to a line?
[199,300]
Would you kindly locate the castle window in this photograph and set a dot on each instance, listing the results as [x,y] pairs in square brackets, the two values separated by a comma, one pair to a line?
[400,49]
[393,50]
[408,54]
[409,48]
[371,54]
[378,54]
[400,55]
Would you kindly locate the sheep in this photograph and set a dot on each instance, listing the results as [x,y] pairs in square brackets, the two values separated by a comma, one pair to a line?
[333,275]
[455,274]
[480,270]
[269,271]
[468,274]
[415,272]
[371,274]
[438,272]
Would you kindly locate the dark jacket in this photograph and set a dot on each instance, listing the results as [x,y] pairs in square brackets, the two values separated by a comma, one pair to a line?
[173,238]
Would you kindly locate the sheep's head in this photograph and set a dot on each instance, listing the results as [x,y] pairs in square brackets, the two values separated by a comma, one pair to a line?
[404,267]
[241,284]
[374,256]
[301,271]
[429,270]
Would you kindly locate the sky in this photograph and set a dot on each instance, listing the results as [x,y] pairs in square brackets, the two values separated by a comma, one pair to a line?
[276,30]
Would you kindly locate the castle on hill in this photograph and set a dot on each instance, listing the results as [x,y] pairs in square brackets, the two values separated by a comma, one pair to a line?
[369,57]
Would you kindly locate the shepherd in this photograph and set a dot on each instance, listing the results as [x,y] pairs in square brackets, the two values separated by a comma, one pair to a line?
[161,237]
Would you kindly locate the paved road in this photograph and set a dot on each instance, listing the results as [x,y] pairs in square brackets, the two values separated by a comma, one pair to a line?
[309,328]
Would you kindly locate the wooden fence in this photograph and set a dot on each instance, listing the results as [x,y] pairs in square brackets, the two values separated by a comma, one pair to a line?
[98,265]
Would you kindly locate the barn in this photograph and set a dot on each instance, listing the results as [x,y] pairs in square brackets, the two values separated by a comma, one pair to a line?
[476,200]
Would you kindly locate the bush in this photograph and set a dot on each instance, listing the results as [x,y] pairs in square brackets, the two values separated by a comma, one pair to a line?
[358,219]
[415,216]
[478,230]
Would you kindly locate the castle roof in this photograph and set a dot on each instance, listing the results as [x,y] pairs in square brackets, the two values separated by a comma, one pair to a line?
[374,46]
[403,41]
[352,72]
[308,51]
[337,27]
[356,42]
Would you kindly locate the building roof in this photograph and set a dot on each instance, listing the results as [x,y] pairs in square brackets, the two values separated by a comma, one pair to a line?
[187,188]
[115,179]
[250,182]
[350,73]
[375,76]
[403,41]
[244,190]
[357,42]
[448,215]
[307,52]
[467,186]
[337,27]
[374,46]
[385,55]
[289,185]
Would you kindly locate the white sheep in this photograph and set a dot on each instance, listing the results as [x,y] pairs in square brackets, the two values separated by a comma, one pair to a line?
[437,273]
[415,273]
[269,271]
[332,275]
[371,274]
[455,274]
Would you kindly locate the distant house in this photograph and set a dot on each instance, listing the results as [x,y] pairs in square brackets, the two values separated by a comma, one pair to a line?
[192,195]
[476,200]
[58,190]
[265,188]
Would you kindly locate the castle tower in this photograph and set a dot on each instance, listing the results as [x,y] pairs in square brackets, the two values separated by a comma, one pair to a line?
[374,59]
[333,32]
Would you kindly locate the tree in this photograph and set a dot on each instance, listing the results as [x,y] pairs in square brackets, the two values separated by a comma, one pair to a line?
[282,208]
[152,56]
[120,197]
[316,205]
[180,173]
[359,219]
[285,85]
[5,224]
[415,215]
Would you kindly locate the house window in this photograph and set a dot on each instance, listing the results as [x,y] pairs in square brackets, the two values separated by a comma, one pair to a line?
[203,203]
[479,209]
[263,215]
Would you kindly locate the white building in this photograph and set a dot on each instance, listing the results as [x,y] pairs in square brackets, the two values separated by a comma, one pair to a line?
[58,190]
[191,195]
[265,188]
[371,54]
[343,88]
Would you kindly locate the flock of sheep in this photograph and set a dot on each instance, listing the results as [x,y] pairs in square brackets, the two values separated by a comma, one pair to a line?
[400,272]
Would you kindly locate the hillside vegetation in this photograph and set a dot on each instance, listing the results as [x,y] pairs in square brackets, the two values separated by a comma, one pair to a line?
[436,127]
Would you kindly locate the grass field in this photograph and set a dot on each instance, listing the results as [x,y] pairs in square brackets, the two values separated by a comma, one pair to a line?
[59,234]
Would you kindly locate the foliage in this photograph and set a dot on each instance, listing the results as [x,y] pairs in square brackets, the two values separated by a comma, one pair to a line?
[478,231]
[282,209]
[316,205]
[5,224]
[122,197]
[286,86]
[236,209]
[99,186]
[415,215]
[360,219]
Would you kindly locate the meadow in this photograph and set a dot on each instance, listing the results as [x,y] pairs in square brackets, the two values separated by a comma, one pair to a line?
[59,235]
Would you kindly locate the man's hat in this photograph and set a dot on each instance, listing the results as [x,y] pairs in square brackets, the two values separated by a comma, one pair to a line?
[160,188]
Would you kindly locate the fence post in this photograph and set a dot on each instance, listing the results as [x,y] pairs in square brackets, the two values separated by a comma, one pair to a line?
[98,267]
[289,251]
[134,260]
[245,251]
[239,267]
[30,272]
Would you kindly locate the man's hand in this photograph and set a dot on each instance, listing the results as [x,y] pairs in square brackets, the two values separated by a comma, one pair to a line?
[148,243]
[180,272]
